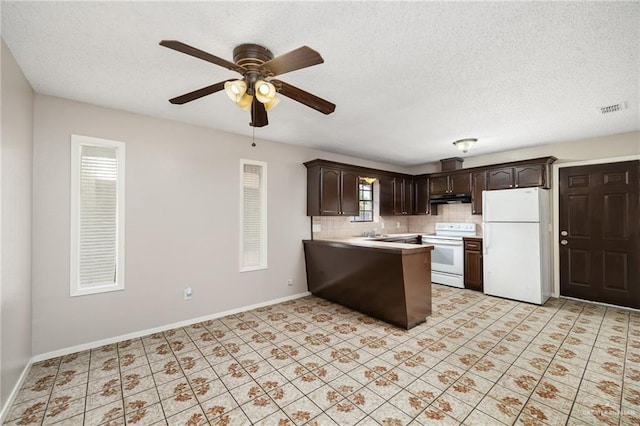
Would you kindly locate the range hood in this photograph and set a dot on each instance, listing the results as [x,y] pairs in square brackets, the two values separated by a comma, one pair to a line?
[451,199]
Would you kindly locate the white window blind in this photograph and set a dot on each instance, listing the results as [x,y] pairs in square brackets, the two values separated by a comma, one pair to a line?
[253,215]
[97,215]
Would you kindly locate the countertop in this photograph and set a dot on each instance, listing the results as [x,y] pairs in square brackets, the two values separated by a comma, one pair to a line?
[367,242]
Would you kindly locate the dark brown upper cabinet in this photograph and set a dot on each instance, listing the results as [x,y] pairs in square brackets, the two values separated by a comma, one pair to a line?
[332,188]
[454,183]
[478,184]
[521,176]
[332,191]
[396,196]
[421,203]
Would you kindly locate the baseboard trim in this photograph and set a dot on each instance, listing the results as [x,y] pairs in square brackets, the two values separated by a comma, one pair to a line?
[6,408]
[607,305]
[137,334]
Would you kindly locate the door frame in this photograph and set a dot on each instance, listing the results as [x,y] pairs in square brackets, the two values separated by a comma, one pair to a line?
[555,291]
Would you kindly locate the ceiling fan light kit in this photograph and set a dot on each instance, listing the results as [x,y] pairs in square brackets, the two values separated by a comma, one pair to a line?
[256,91]
[265,91]
[272,103]
[245,102]
[465,145]
[235,89]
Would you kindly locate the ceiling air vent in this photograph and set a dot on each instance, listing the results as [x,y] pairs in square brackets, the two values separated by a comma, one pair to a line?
[613,108]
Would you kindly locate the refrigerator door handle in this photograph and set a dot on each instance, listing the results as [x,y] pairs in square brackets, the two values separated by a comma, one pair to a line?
[485,205]
[485,230]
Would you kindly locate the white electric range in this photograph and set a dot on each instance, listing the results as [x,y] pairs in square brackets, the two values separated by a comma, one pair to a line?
[447,257]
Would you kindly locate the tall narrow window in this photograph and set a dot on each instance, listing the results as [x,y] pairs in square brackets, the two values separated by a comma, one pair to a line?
[97,215]
[365,196]
[253,215]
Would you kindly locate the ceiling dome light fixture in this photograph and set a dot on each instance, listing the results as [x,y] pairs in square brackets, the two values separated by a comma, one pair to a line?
[465,145]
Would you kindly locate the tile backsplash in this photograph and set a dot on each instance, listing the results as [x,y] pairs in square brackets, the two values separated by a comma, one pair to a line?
[342,227]
[446,213]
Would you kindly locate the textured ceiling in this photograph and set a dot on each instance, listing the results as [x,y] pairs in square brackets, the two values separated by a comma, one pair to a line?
[408,78]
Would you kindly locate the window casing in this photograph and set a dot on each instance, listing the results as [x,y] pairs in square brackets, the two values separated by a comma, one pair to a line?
[253,215]
[365,199]
[97,215]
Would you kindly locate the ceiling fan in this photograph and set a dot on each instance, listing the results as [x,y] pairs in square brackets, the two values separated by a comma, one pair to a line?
[256,90]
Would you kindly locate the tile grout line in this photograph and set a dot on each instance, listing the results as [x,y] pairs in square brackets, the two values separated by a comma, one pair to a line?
[402,346]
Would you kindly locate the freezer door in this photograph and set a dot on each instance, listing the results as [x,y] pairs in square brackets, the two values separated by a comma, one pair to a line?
[512,262]
[511,205]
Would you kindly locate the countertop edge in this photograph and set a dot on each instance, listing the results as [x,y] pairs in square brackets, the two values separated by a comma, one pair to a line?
[357,242]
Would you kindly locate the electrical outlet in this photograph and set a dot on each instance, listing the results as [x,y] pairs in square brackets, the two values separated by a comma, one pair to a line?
[397,224]
[290,282]
[381,225]
[187,293]
[316,227]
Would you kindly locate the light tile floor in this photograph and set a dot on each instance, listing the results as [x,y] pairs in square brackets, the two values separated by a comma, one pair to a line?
[478,360]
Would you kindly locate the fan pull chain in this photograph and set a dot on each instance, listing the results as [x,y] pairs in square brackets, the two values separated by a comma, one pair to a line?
[253,143]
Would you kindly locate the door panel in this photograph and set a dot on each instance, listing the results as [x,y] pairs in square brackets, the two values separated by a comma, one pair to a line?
[580,270]
[407,196]
[477,186]
[600,212]
[528,176]
[386,196]
[614,266]
[460,183]
[513,205]
[397,196]
[616,207]
[579,214]
[329,191]
[422,205]
[512,261]
[439,185]
[500,178]
[349,198]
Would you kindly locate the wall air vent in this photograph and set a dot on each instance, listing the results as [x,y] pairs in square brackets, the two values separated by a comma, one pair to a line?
[613,108]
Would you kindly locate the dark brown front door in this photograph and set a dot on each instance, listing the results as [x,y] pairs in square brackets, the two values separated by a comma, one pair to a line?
[600,233]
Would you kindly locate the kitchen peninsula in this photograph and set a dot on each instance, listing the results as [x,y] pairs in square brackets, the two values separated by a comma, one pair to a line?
[386,280]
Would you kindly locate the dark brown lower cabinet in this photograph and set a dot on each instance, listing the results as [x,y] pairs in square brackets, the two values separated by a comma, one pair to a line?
[473,263]
[387,283]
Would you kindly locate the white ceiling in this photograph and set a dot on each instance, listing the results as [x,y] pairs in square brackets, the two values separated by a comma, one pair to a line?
[408,78]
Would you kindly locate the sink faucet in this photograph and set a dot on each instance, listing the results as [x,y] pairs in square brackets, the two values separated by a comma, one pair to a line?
[370,233]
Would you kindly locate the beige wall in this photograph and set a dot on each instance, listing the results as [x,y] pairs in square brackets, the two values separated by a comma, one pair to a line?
[182,225]
[619,145]
[613,146]
[15,224]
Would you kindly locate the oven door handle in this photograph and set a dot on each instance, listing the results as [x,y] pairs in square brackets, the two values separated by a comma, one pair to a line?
[442,243]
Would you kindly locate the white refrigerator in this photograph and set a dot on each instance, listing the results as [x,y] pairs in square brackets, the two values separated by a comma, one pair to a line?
[516,238]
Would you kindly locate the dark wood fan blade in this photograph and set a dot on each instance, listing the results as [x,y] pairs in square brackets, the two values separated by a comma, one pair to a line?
[303,97]
[197,94]
[301,57]
[258,114]
[201,54]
